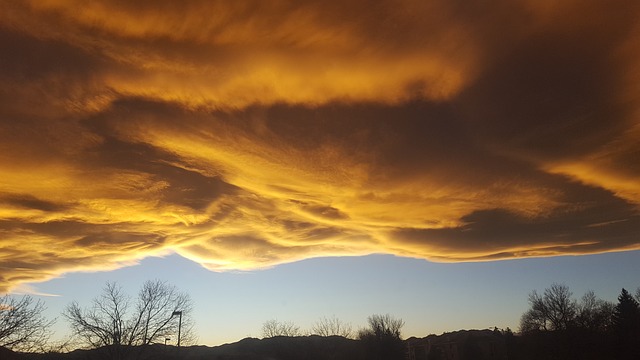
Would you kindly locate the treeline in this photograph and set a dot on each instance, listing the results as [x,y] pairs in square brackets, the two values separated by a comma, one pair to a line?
[380,339]
[120,326]
[555,326]
[559,326]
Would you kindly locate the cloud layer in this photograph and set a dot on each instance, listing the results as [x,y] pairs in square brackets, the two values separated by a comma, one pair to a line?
[243,135]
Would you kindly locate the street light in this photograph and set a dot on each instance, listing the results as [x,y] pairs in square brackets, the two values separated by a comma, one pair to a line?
[179,313]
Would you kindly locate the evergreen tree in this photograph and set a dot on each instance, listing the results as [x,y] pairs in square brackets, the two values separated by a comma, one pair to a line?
[626,323]
[626,314]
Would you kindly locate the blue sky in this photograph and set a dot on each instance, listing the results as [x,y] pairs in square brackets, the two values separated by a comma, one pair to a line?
[430,297]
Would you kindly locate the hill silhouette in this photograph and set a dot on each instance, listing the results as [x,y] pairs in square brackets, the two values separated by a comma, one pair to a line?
[459,345]
[6,354]
[282,348]
[464,344]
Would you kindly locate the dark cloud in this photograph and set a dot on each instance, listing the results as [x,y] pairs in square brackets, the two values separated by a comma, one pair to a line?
[566,108]
[30,202]
[30,58]
[591,220]
[183,186]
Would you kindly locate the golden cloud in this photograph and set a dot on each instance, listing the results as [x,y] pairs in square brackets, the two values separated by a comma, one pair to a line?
[249,134]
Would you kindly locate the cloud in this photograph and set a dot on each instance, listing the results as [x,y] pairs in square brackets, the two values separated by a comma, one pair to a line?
[29,290]
[249,134]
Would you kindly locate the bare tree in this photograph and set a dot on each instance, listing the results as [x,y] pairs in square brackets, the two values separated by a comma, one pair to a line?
[383,325]
[22,326]
[554,310]
[594,314]
[561,307]
[332,326]
[112,321]
[157,302]
[382,339]
[532,321]
[273,328]
[104,322]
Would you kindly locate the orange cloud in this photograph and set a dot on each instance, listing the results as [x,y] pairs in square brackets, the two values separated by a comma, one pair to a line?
[219,54]
[249,134]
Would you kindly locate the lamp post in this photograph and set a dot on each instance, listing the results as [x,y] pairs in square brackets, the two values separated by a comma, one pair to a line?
[179,313]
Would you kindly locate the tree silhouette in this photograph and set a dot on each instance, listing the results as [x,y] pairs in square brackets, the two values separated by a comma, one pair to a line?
[111,320]
[594,314]
[332,326]
[626,314]
[554,310]
[382,339]
[626,323]
[22,326]
[157,303]
[272,328]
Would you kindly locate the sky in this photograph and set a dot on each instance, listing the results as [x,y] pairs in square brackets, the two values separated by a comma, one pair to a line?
[254,145]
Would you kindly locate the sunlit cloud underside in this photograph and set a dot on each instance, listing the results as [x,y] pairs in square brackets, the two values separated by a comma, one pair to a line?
[247,134]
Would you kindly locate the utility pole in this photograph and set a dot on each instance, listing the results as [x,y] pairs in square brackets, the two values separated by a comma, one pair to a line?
[179,313]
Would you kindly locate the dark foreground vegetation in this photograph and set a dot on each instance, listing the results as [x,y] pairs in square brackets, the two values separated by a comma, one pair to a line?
[472,345]
[556,326]
[462,345]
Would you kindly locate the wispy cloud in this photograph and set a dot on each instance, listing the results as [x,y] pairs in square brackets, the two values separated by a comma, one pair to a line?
[249,134]
[27,289]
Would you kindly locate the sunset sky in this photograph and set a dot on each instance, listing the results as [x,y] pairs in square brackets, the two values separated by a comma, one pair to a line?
[436,160]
